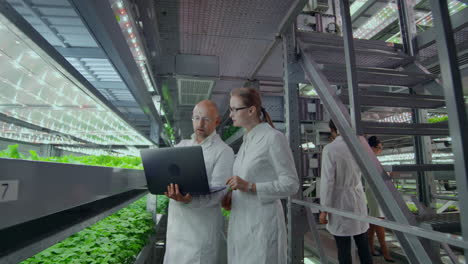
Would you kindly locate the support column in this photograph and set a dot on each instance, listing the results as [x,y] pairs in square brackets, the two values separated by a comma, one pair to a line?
[295,213]
[422,144]
[353,87]
[155,131]
[453,91]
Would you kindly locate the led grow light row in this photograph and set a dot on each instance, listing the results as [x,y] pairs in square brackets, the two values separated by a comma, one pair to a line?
[389,13]
[378,22]
[426,21]
[89,151]
[408,158]
[134,41]
[356,5]
[35,89]
[404,117]
[17,133]
[130,151]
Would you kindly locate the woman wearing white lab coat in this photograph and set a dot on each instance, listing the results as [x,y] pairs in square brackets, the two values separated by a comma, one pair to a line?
[264,173]
[341,188]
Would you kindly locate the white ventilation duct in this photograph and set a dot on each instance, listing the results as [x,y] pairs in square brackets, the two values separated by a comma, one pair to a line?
[192,91]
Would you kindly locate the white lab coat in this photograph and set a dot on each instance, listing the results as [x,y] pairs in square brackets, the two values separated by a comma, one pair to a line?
[257,230]
[195,231]
[341,188]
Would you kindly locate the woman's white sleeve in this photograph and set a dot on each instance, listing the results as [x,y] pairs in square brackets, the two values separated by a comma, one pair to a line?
[287,182]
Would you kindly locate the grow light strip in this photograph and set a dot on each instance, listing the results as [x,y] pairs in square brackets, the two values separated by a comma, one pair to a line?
[17,133]
[404,117]
[410,157]
[129,29]
[377,22]
[88,151]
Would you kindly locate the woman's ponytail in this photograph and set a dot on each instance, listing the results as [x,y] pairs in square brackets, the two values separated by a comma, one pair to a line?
[266,117]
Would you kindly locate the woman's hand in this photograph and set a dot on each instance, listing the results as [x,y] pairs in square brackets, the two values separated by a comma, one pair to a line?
[174,193]
[237,183]
[323,218]
[227,201]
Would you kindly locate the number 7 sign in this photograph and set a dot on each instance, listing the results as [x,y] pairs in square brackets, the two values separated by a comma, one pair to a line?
[8,191]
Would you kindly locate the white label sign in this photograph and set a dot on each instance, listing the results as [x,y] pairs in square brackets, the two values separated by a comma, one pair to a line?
[9,190]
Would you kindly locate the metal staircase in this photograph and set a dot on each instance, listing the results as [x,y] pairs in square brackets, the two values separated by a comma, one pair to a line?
[377,64]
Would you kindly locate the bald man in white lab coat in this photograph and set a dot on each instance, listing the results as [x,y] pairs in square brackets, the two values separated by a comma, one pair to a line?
[195,224]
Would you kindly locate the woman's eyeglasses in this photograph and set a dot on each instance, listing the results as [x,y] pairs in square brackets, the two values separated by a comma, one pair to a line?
[198,119]
[235,109]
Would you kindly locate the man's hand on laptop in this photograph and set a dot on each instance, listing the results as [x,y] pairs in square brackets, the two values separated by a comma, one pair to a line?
[174,193]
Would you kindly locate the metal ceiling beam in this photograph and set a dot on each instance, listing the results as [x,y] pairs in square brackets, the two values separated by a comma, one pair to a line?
[289,18]
[29,6]
[110,85]
[100,21]
[93,53]
[225,78]
[126,103]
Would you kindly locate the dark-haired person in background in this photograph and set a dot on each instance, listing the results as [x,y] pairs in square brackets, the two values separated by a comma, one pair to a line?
[341,188]
[375,211]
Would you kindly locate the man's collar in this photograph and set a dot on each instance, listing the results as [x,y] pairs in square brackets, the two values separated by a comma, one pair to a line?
[207,140]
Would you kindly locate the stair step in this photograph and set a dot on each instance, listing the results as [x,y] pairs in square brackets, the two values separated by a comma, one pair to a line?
[335,40]
[425,129]
[336,74]
[388,99]
[419,167]
[364,58]
[369,53]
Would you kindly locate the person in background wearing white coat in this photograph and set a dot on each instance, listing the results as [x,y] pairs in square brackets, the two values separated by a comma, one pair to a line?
[341,188]
[195,224]
[264,173]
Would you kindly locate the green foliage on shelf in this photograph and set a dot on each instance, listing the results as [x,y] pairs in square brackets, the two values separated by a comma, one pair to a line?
[162,204]
[169,131]
[229,132]
[166,95]
[105,161]
[115,239]
[412,207]
[11,152]
[437,119]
